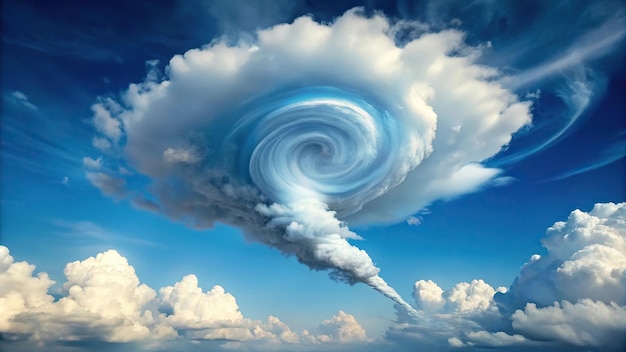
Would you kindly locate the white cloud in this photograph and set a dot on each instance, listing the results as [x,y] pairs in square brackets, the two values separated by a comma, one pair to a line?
[104,121]
[83,228]
[456,342]
[184,156]
[586,259]
[280,330]
[108,185]
[20,291]
[489,339]
[90,163]
[464,298]
[96,233]
[101,143]
[428,296]
[577,93]
[107,287]
[20,98]
[534,94]
[471,297]
[586,323]
[342,327]
[572,297]
[413,220]
[456,317]
[188,312]
[103,300]
[595,44]
[238,128]
[194,309]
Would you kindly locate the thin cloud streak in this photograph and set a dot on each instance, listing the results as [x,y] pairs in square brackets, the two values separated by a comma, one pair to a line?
[592,46]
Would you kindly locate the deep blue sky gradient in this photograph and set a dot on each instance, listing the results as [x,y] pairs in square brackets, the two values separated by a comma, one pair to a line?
[65,54]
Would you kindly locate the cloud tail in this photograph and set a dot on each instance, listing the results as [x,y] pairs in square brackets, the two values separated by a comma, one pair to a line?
[318,239]
[378,284]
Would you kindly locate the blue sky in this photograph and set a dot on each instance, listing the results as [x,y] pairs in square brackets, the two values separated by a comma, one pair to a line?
[125,127]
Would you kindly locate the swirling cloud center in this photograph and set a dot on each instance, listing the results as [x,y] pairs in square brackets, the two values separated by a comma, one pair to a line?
[310,125]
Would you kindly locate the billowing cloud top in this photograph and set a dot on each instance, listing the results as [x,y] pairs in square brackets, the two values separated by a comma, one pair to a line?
[104,301]
[309,126]
[586,259]
[572,298]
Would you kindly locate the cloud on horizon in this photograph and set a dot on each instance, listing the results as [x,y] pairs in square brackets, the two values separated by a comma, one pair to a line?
[573,298]
[102,300]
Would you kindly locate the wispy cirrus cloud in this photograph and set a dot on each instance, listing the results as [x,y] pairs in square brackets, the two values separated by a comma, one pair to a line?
[89,232]
[20,99]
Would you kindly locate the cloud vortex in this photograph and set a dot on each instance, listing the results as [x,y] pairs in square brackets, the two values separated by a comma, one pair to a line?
[320,143]
[309,127]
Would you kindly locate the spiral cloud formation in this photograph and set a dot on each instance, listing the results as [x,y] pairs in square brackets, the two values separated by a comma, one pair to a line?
[307,128]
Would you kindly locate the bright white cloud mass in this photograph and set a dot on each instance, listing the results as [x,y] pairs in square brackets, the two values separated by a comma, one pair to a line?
[444,134]
[572,298]
[554,304]
[103,300]
[311,125]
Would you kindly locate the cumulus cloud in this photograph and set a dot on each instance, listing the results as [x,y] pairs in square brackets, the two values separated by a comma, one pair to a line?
[428,295]
[456,317]
[107,287]
[342,328]
[474,296]
[20,291]
[586,323]
[586,258]
[196,309]
[103,300]
[311,126]
[464,297]
[572,297]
